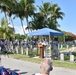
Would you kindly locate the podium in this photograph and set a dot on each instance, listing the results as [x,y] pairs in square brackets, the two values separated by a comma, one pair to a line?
[41,50]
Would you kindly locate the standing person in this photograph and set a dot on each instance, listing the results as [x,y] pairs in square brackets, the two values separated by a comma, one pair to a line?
[46,66]
[45,44]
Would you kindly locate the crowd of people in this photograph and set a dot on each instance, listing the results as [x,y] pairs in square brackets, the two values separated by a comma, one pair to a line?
[11,45]
[46,63]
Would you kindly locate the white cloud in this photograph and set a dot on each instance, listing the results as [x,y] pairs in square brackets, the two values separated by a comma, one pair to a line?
[19,30]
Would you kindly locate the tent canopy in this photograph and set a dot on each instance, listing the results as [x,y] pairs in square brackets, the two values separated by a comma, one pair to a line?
[46,31]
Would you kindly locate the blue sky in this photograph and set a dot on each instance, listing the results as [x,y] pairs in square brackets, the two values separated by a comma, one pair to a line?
[69,20]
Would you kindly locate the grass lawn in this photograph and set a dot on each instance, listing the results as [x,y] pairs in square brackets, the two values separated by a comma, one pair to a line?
[57,63]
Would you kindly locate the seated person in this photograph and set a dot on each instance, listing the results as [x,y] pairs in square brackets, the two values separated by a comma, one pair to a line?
[46,66]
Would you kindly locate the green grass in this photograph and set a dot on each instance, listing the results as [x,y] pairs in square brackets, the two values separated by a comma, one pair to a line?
[69,65]
[56,63]
[25,58]
[63,48]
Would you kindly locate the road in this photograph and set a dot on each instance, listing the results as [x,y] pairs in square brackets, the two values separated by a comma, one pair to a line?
[29,68]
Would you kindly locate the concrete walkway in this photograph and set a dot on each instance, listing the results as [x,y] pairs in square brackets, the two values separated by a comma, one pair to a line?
[29,68]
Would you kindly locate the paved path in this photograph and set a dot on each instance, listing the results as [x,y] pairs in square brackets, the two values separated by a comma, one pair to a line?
[29,68]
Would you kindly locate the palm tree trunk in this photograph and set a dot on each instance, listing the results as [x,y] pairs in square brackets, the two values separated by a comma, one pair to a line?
[27,24]
[13,26]
[4,36]
[22,27]
[6,17]
[12,23]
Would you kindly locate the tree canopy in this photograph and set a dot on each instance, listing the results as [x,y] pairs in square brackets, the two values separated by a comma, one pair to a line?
[47,16]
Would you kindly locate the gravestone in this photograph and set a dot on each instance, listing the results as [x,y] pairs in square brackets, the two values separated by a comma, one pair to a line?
[22,50]
[16,49]
[71,58]
[27,51]
[62,57]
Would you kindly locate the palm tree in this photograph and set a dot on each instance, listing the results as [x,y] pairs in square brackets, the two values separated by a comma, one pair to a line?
[55,15]
[28,8]
[3,27]
[45,9]
[56,12]
[19,12]
[24,8]
[42,19]
[8,8]
[11,11]
[4,7]
[37,21]
[51,13]
[5,30]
